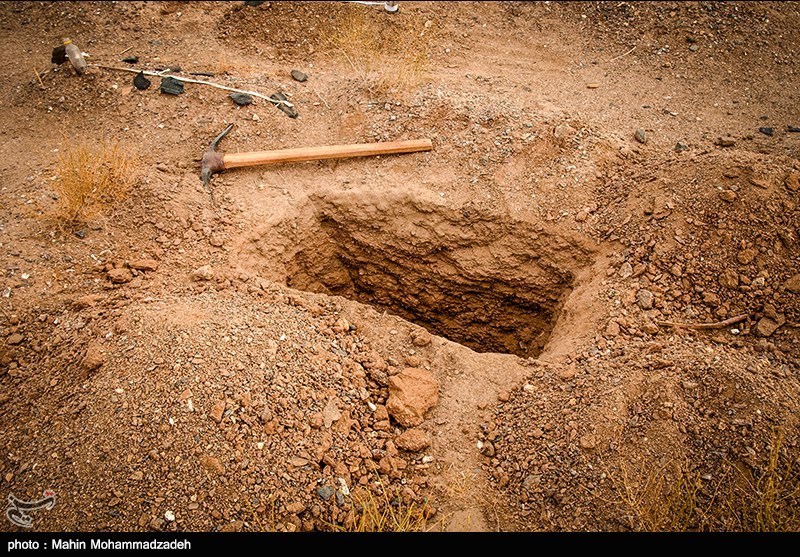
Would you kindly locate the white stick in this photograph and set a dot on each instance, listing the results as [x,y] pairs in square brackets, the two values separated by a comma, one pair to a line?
[188,80]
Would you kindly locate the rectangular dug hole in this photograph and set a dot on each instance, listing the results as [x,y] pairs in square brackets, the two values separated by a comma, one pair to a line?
[482,280]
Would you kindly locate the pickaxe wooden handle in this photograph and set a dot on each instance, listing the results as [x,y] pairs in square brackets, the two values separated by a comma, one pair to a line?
[214,161]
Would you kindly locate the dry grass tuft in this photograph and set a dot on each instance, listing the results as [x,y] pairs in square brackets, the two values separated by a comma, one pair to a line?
[91,180]
[740,498]
[387,57]
[376,510]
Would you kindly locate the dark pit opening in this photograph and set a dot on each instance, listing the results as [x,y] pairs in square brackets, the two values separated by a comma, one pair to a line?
[482,280]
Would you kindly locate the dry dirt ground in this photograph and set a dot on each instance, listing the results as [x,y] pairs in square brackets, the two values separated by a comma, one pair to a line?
[476,336]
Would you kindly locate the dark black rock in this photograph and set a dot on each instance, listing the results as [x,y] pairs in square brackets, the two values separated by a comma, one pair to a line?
[242,99]
[253,3]
[171,86]
[793,129]
[141,82]
[681,147]
[298,75]
[80,233]
[59,55]
[130,59]
[766,131]
[288,110]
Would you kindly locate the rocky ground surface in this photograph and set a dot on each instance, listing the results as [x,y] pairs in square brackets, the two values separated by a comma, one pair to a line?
[578,312]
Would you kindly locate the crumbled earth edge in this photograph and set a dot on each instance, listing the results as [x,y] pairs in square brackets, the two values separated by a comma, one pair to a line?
[243,359]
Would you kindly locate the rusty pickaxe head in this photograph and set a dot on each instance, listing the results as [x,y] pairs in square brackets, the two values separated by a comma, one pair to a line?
[212,160]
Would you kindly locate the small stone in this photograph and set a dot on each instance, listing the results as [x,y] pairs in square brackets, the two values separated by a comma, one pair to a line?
[212,464]
[216,240]
[247,399]
[488,449]
[648,327]
[640,135]
[14,339]
[94,358]
[120,276]
[143,264]
[421,338]
[536,433]
[767,131]
[711,299]
[131,59]
[612,329]
[694,48]
[625,270]
[766,326]
[169,516]
[792,129]
[728,195]
[726,142]
[760,182]
[645,299]
[331,412]
[503,396]
[295,508]
[297,75]
[793,284]
[588,441]
[235,526]
[298,462]
[217,410]
[326,492]
[567,373]
[413,440]
[592,85]
[530,482]
[681,147]
[792,181]
[746,256]
[242,99]
[206,272]
[729,278]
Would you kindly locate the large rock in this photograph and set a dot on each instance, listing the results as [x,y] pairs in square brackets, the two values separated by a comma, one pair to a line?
[412,392]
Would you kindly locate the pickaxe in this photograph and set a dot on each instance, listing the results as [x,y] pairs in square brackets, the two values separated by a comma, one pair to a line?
[214,161]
